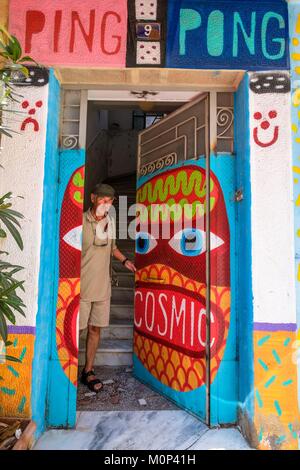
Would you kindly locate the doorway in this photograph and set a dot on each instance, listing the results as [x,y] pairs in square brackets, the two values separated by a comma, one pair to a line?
[111,157]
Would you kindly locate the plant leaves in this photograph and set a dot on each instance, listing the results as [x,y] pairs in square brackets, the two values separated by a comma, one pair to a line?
[12,288]
[2,131]
[7,312]
[10,358]
[14,232]
[3,327]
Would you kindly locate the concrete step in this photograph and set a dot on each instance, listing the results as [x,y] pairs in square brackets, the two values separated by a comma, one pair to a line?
[118,329]
[122,311]
[112,352]
[117,332]
[119,268]
[125,279]
[124,295]
[129,254]
[126,243]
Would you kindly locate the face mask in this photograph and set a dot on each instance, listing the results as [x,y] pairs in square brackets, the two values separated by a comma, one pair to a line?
[101,210]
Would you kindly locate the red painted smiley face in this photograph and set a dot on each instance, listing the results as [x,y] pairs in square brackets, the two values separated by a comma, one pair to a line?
[31,111]
[264,124]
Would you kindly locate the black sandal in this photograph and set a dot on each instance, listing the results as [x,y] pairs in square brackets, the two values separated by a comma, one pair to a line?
[90,383]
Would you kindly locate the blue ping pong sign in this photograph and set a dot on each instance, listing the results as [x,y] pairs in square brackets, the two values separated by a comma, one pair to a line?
[251,35]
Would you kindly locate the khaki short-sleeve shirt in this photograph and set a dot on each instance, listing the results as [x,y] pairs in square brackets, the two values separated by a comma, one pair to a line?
[95,280]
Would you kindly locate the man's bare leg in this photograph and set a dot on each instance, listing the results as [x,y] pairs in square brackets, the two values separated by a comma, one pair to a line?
[92,343]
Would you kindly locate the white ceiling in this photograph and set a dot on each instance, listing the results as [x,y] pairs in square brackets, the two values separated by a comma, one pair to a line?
[126,96]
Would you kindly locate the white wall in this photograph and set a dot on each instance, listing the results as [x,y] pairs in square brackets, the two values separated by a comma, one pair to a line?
[272,204]
[23,161]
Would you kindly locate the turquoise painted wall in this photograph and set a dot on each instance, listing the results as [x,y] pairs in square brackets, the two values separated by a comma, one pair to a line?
[243,249]
[40,365]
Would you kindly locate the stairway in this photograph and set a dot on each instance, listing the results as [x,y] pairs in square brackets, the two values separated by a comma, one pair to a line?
[116,342]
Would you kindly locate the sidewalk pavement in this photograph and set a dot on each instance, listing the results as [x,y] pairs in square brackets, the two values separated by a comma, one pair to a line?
[140,430]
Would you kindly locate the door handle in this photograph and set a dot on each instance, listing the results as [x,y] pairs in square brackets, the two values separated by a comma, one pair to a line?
[159,280]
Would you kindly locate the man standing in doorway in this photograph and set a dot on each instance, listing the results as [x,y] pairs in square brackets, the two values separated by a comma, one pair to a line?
[98,246]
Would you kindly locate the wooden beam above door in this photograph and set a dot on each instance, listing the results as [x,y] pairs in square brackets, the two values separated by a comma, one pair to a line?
[139,78]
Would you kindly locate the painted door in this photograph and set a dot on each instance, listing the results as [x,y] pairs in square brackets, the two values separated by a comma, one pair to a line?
[174,269]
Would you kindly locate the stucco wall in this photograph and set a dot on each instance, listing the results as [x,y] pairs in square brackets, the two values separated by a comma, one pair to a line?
[276,413]
[23,161]
[294,14]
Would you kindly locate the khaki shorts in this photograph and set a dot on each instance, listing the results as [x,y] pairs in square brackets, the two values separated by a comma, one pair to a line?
[94,313]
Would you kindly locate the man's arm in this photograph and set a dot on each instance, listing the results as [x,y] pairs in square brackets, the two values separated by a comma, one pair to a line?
[119,256]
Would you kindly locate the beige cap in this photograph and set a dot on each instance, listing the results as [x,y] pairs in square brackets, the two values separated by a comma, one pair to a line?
[104,190]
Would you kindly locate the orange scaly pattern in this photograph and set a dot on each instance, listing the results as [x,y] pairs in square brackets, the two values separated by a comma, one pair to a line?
[68,289]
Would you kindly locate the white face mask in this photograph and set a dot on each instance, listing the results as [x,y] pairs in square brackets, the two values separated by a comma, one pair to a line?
[102,209]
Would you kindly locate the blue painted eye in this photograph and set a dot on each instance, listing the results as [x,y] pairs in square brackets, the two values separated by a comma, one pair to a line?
[192,242]
[144,243]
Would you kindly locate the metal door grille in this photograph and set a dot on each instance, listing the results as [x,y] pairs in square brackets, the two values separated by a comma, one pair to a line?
[175,139]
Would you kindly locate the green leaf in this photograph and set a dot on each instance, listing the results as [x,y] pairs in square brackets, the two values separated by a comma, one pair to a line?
[7,312]
[6,196]
[15,300]
[27,58]
[23,70]
[4,31]
[12,288]
[3,327]
[16,307]
[11,358]
[2,233]
[6,214]
[15,270]
[2,131]
[17,48]
[16,214]
[14,232]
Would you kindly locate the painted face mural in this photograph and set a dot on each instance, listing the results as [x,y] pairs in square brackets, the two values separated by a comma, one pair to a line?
[268,122]
[31,118]
[170,298]
[263,124]
[69,274]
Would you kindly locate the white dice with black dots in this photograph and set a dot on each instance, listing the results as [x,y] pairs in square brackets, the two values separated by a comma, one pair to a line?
[147,52]
[146,9]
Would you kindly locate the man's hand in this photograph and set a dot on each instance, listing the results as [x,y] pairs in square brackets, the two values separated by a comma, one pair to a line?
[129,265]
[119,256]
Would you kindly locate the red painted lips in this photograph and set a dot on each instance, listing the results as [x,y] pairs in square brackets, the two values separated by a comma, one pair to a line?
[175,318]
